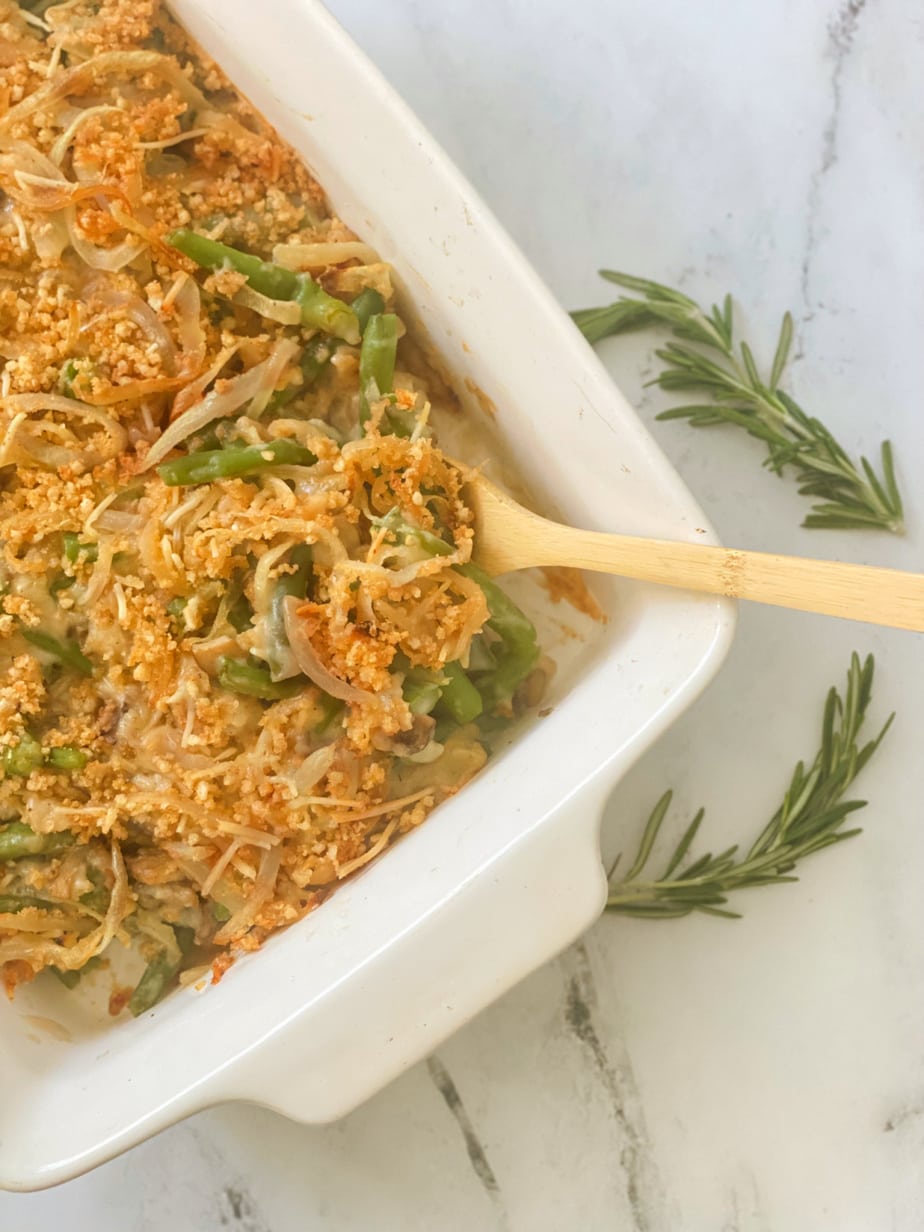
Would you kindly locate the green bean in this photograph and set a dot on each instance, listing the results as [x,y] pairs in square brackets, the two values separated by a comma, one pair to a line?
[160,973]
[66,757]
[241,676]
[11,903]
[519,647]
[232,462]
[153,983]
[60,582]
[17,840]
[377,361]
[518,650]
[421,689]
[296,584]
[367,304]
[175,609]
[398,528]
[70,979]
[240,614]
[66,379]
[22,758]
[74,549]
[460,697]
[279,656]
[68,653]
[220,912]
[318,309]
[314,360]
[331,709]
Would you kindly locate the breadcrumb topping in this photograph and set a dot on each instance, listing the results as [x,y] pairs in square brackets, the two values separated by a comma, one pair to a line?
[233,572]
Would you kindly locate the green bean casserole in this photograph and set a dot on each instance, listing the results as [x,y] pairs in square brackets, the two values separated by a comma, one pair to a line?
[244,645]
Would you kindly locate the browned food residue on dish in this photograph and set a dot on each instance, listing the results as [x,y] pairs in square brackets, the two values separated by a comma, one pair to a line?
[568,585]
[485,403]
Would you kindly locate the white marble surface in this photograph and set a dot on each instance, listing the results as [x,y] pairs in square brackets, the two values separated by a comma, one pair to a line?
[695,1076]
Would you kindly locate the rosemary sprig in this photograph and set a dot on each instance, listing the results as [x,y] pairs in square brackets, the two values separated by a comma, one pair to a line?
[727,388]
[810,818]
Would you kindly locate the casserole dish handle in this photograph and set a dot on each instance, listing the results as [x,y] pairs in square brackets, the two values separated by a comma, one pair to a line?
[518,912]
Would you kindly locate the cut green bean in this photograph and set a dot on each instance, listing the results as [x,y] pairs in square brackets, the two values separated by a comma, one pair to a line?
[68,653]
[10,904]
[160,973]
[241,676]
[66,757]
[460,697]
[74,549]
[519,647]
[332,708]
[157,977]
[67,378]
[422,689]
[22,758]
[279,657]
[318,309]
[396,525]
[232,462]
[377,361]
[314,360]
[60,582]
[175,610]
[367,304]
[17,841]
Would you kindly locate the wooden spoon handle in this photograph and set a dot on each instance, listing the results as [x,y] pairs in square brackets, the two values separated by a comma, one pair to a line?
[856,592]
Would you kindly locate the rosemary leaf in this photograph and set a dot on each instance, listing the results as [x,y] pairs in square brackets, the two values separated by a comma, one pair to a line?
[704,361]
[810,818]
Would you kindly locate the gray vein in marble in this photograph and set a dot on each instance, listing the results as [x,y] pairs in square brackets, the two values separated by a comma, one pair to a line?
[901,1118]
[237,1212]
[643,1189]
[842,31]
[746,1213]
[474,1147]
[236,1208]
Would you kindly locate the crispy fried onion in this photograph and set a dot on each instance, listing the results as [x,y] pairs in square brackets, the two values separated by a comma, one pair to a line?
[46,952]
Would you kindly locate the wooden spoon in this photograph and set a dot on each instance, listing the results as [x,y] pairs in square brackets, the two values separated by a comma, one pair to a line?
[509,537]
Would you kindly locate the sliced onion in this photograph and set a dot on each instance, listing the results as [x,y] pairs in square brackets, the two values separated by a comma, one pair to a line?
[71,957]
[31,404]
[317,256]
[255,386]
[313,769]
[134,391]
[188,300]
[115,522]
[128,65]
[147,320]
[308,661]
[187,398]
[49,238]
[285,312]
[62,145]
[109,259]
[166,142]
[262,892]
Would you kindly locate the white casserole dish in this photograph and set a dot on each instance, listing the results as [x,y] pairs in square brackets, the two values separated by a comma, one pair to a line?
[506,874]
